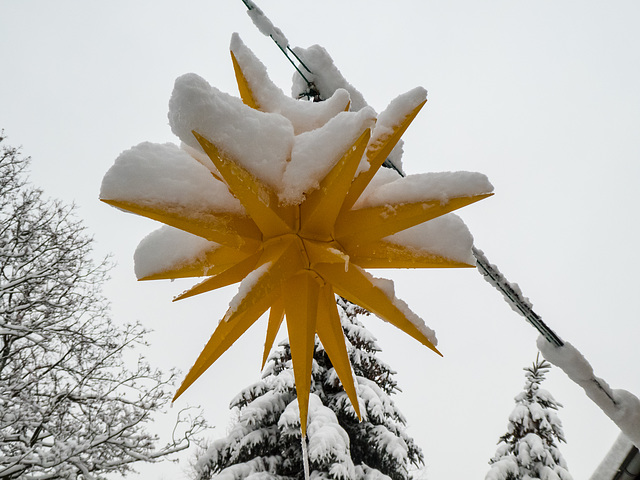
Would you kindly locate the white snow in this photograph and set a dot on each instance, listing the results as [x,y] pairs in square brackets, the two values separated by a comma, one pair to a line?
[392,116]
[163,175]
[202,158]
[304,115]
[326,437]
[262,22]
[373,401]
[327,441]
[364,472]
[388,288]
[258,141]
[316,152]
[434,186]
[620,406]
[170,249]
[610,464]
[327,79]
[511,292]
[382,177]
[397,110]
[447,236]
[245,288]
[326,76]
[503,469]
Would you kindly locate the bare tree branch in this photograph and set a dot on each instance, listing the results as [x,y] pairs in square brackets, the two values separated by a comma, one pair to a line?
[69,405]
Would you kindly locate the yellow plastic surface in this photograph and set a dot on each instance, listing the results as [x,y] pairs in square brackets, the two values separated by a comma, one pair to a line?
[356,286]
[243,85]
[365,225]
[231,275]
[385,254]
[276,316]
[213,261]
[301,309]
[322,206]
[228,229]
[376,155]
[329,331]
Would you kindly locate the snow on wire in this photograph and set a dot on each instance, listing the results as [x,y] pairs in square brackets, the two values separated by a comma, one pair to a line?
[266,27]
[513,296]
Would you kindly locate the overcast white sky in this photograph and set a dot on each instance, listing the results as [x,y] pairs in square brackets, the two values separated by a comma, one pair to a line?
[543,97]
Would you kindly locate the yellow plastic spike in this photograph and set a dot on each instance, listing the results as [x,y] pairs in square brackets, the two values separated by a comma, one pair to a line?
[234,324]
[281,260]
[366,225]
[223,337]
[321,208]
[258,199]
[383,254]
[325,252]
[225,228]
[243,85]
[376,155]
[354,285]
[213,261]
[301,307]
[276,315]
[331,335]
[233,274]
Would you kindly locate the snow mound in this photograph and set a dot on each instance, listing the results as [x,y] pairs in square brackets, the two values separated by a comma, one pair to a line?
[423,187]
[164,175]
[169,249]
[316,152]
[446,236]
[258,141]
[303,115]
[326,77]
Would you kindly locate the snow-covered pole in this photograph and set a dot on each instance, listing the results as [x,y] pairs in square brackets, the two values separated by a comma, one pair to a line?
[513,296]
[266,26]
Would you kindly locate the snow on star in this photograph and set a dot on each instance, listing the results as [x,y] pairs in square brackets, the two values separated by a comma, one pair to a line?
[271,193]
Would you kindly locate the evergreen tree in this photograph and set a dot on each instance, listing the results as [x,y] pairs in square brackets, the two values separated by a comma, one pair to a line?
[529,449]
[265,440]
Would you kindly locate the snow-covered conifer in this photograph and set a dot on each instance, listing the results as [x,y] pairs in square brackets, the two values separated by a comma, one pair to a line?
[529,449]
[265,440]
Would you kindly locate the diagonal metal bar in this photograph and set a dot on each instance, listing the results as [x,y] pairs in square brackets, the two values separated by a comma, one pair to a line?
[267,27]
[513,297]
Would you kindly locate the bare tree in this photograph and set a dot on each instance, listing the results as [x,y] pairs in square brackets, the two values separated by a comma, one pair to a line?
[70,407]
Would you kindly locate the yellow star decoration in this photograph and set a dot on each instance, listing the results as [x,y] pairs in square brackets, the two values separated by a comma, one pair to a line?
[295,258]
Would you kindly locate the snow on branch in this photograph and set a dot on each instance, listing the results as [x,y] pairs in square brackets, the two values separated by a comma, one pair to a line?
[70,405]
